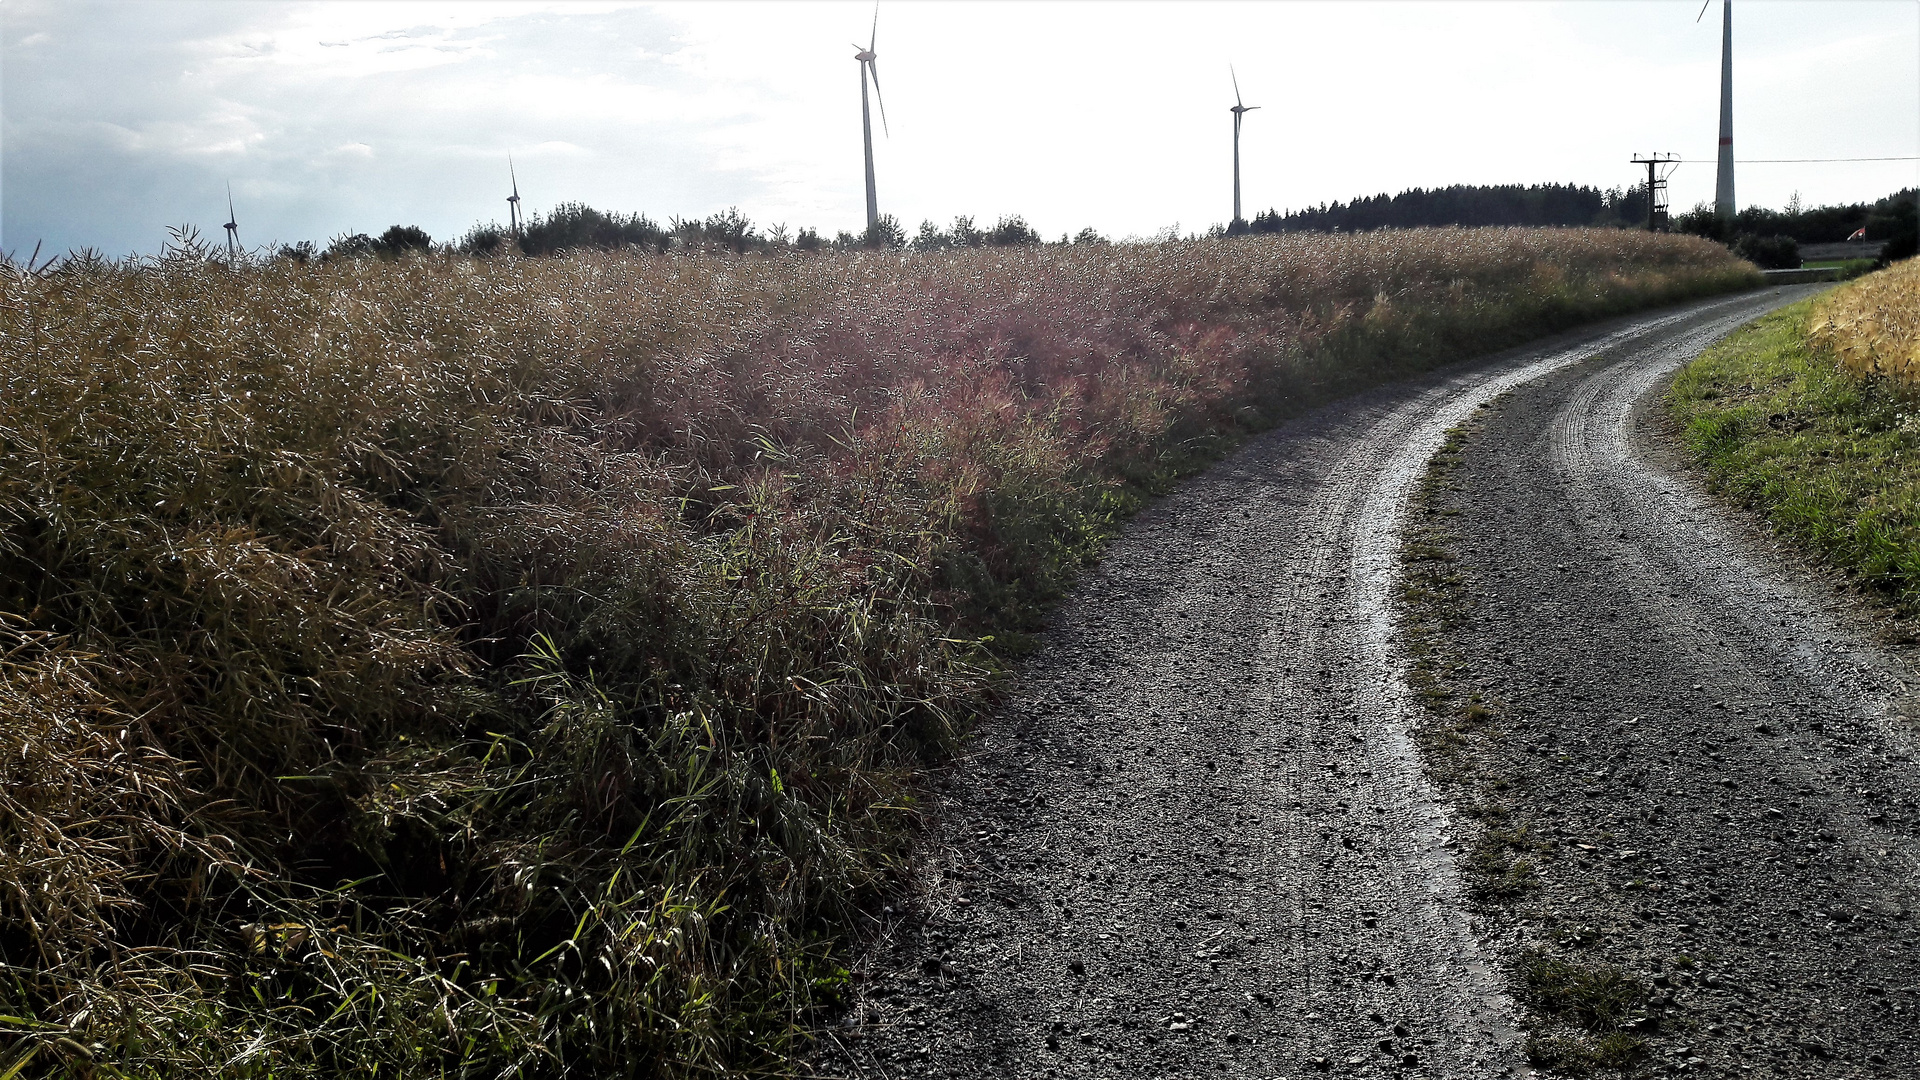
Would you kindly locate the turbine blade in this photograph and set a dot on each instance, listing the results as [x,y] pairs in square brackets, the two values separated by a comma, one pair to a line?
[1703,10]
[875,68]
[230,214]
[1236,84]
[515,177]
[875,35]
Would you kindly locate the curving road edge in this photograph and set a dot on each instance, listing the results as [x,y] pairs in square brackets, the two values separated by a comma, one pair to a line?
[1198,840]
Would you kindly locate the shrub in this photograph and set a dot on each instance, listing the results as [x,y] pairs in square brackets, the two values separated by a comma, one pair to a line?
[1769,252]
[575,226]
[884,234]
[400,239]
[353,246]
[1012,231]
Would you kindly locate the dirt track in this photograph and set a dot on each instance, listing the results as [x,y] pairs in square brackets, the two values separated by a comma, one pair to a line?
[1200,841]
[1701,728]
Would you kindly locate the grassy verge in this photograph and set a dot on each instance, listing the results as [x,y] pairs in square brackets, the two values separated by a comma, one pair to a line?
[1850,268]
[1825,455]
[498,667]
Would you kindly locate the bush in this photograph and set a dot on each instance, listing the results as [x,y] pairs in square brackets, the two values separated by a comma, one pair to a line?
[1012,231]
[574,226]
[354,246]
[1769,252]
[1902,245]
[484,241]
[884,234]
[400,239]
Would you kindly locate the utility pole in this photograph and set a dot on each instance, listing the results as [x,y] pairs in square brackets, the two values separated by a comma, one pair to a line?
[1657,187]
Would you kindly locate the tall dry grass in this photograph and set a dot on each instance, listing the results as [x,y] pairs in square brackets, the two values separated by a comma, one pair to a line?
[444,667]
[1872,326]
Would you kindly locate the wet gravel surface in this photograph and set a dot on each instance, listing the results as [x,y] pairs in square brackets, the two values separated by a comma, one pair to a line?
[1716,741]
[1199,840]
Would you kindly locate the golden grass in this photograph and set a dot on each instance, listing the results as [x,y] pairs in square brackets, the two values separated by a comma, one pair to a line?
[516,667]
[1872,326]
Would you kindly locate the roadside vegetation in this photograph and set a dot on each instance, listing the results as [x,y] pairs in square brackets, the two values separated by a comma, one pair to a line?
[1811,416]
[425,665]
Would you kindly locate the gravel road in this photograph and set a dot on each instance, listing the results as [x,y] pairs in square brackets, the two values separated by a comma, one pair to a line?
[1199,839]
[1716,741]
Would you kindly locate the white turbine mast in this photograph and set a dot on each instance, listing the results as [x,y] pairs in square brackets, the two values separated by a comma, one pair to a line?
[1239,110]
[866,56]
[1723,205]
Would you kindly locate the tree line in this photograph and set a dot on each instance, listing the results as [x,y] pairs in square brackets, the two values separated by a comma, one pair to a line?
[1767,236]
[575,226]
[1468,205]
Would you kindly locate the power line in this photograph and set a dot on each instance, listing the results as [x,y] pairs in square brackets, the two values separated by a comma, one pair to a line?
[1821,160]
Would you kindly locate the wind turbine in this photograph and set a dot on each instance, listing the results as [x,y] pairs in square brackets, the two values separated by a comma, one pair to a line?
[866,58]
[513,201]
[1239,110]
[233,224]
[1723,184]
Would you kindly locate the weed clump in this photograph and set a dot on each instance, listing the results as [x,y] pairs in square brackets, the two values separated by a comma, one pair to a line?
[527,667]
[1594,1006]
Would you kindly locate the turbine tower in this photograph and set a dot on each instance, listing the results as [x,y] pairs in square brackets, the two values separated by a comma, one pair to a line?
[233,225]
[1723,207]
[1239,110]
[513,201]
[866,58]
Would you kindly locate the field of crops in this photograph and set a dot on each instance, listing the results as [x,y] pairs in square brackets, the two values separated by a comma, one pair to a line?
[482,667]
[1873,325]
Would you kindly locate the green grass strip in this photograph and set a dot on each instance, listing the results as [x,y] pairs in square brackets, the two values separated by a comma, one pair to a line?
[1829,459]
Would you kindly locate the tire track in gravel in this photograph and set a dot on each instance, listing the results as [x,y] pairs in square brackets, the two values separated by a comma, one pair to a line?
[1707,730]
[1197,840]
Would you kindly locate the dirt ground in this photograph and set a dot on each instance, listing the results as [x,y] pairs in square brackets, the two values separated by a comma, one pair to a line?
[1201,839]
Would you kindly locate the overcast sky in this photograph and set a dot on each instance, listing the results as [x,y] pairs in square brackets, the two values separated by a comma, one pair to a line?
[118,119]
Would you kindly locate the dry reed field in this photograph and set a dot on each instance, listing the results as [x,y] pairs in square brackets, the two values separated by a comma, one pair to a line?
[1872,326]
[508,667]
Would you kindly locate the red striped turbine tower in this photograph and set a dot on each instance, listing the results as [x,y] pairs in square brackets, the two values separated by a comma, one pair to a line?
[1723,184]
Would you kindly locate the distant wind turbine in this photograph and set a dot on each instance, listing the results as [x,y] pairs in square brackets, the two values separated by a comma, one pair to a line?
[1239,110]
[1723,184]
[513,200]
[233,224]
[866,57]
